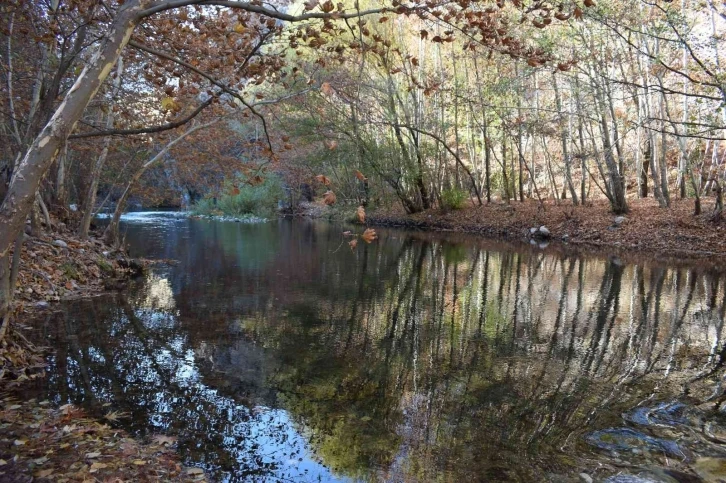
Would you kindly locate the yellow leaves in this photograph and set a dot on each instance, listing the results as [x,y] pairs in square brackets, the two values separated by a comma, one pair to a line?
[369,235]
[329,198]
[168,104]
[361,214]
[239,28]
[98,466]
[323,179]
[360,176]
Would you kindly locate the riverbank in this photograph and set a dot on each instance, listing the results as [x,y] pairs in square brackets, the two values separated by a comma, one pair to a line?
[647,230]
[42,443]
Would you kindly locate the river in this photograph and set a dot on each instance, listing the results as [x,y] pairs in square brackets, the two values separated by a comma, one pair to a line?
[274,352]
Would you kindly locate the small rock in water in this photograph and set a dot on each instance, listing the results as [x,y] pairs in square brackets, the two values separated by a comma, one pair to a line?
[544,231]
[60,243]
[533,230]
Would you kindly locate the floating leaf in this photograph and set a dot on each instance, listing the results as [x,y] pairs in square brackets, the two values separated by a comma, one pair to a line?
[329,198]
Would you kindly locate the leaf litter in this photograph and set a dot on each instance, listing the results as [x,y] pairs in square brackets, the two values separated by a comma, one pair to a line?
[42,443]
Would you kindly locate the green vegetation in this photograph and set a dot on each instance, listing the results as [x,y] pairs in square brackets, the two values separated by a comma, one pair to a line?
[241,198]
[453,199]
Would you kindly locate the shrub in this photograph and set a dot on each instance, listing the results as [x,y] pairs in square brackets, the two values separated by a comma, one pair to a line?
[258,200]
[453,199]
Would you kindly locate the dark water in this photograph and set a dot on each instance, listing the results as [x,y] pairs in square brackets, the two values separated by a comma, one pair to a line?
[275,353]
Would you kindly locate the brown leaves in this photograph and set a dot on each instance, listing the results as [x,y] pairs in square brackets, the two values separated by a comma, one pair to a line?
[331,144]
[361,214]
[369,235]
[323,179]
[589,3]
[329,198]
[353,244]
[360,176]
[82,449]
[326,89]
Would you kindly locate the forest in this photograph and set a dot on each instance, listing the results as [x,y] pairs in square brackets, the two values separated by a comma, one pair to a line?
[595,124]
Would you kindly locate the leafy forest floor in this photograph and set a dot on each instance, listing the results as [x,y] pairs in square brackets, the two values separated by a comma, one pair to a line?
[672,233]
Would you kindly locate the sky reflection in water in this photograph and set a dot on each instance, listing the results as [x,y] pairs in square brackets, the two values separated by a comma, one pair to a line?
[275,352]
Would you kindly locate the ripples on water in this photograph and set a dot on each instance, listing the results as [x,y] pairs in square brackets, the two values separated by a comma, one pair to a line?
[274,352]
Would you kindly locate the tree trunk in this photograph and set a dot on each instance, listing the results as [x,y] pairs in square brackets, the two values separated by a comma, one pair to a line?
[27,176]
[90,201]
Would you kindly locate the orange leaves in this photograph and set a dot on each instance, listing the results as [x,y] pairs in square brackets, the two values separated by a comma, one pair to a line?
[323,179]
[369,235]
[329,198]
[239,28]
[361,214]
[360,176]
[326,89]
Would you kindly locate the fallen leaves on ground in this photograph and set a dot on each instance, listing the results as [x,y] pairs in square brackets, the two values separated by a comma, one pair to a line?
[57,265]
[42,443]
[662,232]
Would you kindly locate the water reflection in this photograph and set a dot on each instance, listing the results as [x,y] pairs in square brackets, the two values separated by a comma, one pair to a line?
[273,351]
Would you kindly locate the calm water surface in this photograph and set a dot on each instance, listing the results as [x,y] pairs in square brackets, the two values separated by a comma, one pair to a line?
[275,353]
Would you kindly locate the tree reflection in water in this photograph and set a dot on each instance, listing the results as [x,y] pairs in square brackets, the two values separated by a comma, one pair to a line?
[271,352]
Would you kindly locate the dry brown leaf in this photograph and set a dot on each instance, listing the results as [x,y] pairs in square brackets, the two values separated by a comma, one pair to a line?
[369,235]
[353,243]
[323,179]
[360,176]
[329,198]
[361,214]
